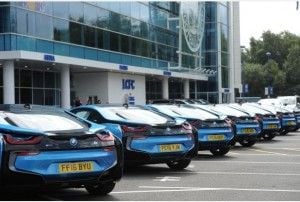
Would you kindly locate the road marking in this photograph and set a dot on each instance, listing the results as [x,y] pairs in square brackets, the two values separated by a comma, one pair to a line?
[191,166]
[167,178]
[241,173]
[50,198]
[292,149]
[232,153]
[258,150]
[254,162]
[190,189]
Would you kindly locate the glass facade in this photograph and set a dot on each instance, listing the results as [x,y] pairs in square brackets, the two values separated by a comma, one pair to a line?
[132,33]
[135,33]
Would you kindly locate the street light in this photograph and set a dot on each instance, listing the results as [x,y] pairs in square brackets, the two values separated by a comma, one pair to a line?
[268,54]
[242,69]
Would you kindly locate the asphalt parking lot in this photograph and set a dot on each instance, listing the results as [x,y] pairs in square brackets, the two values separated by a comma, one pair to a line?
[270,170]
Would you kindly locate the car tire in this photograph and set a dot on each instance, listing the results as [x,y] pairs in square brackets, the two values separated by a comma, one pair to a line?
[232,143]
[247,143]
[284,132]
[100,189]
[220,151]
[269,136]
[179,165]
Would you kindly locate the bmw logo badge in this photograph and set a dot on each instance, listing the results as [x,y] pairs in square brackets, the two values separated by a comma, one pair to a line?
[73,142]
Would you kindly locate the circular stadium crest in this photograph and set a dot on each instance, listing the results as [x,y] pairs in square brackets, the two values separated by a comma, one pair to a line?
[193,21]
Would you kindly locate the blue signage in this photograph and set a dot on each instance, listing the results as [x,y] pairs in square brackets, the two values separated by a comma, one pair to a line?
[270,90]
[246,88]
[123,67]
[49,58]
[128,84]
[167,73]
[131,100]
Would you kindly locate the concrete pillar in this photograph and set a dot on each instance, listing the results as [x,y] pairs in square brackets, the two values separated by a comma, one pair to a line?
[186,88]
[9,82]
[165,88]
[65,86]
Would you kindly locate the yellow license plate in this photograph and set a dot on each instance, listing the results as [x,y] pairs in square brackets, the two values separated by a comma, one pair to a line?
[248,130]
[216,137]
[75,167]
[291,123]
[272,126]
[170,147]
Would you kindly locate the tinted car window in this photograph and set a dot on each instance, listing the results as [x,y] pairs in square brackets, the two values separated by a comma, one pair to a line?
[83,114]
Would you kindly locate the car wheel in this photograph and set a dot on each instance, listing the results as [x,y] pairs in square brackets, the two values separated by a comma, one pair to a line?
[100,189]
[247,143]
[232,143]
[220,151]
[284,132]
[269,136]
[179,165]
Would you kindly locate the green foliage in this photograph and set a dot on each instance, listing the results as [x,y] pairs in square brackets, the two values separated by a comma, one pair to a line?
[281,69]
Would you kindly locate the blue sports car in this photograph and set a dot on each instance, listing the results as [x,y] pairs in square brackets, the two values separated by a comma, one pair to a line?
[147,136]
[246,128]
[44,146]
[214,134]
[269,122]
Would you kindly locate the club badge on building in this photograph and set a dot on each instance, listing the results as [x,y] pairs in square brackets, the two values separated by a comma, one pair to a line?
[193,21]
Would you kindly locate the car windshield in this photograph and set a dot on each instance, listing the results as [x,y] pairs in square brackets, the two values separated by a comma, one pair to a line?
[44,122]
[229,111]
[188,112]
[134,114]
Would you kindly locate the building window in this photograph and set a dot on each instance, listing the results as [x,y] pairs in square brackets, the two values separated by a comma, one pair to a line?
[76,11]
[61,30]
[89,36]
[75,33]
[61,9]
[114,41]
[90,14]
[44,26]
[25,22]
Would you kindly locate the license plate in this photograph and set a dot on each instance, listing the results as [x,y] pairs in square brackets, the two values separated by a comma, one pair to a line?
[272,126]
[170,147]
[291,123]
[76,167]
[248,130]
[216,137]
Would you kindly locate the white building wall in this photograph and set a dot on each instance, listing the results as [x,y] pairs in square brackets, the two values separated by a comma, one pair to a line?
[117,93]
[91,84]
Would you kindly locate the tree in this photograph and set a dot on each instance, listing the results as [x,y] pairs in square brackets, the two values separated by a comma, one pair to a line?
[280,69]
[292,66]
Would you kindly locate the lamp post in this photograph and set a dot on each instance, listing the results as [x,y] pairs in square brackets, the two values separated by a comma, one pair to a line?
[242,70]
[268,54]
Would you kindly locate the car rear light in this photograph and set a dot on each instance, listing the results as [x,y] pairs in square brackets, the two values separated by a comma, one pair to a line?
[187,126]
[139,137]
[195,123]
[17,140]
[229,121]
[105,136]
[131,129]
[27,153]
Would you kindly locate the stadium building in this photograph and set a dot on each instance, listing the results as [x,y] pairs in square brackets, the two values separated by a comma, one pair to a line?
[52,52]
